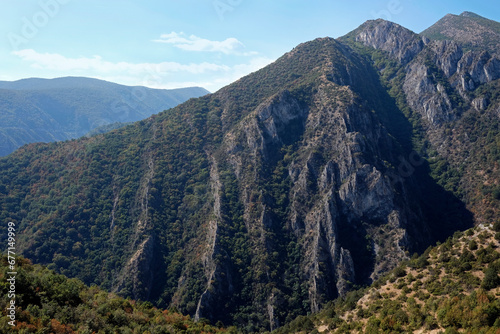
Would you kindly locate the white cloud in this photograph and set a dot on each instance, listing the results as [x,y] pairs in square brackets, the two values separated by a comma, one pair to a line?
[54,61]
[194,43]
[155,75]
[240,70]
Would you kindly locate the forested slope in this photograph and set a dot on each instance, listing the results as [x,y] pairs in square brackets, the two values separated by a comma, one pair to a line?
[280,192]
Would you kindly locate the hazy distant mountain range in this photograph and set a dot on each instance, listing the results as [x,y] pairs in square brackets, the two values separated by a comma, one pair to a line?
[291,187]
[45,110]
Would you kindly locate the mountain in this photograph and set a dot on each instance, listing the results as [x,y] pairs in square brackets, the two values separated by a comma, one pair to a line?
[470,30]
[450,288]
[450,95]
[278,193]
[33,110]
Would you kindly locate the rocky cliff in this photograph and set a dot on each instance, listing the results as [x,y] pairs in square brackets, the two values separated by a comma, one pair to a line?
[447,85]
[278,193]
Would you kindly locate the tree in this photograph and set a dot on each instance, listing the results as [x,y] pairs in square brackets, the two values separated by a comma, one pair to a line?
[491,279]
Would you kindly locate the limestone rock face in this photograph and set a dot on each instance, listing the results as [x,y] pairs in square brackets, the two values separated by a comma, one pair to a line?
[399,42]
[449,85]
[447,56]
[426,97]
[480,103]
[434,70]
[346,211]
[281,191]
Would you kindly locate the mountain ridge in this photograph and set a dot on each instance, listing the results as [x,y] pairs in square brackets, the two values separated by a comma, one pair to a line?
[447,84]
[471,30]
[278,192]
[74,82]
[67,108]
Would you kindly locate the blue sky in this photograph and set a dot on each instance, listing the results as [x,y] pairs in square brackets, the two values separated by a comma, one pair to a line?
[180,43]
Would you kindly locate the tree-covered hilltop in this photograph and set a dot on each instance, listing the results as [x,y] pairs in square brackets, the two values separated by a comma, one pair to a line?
[46,302]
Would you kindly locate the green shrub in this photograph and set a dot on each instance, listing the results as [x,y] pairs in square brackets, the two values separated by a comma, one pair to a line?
[491,279]
[399,271]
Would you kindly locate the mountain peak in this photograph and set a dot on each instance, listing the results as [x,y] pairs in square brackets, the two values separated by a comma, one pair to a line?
[471,14]
[279,192]
[469,29]
[380,34]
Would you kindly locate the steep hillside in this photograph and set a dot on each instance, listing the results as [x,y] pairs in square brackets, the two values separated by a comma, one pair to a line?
[50,303]
[267,199]
[469,29]
[281,191]
[451,288]
[45,110]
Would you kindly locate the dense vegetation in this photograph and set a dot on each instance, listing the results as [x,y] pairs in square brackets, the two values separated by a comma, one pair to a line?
[78,205]
[47,302]
[267,199]
[452,287]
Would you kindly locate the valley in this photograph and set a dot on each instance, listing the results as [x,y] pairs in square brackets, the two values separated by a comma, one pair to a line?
[293,199]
